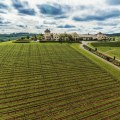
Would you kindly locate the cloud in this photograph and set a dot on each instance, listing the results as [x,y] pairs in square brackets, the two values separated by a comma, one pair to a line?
[97,28]
[54,10]
[38,27]
[18,4]
[113,2]
[4,22]
[27,11]
[74,29]
[50,9]
[22,26]
[42,27]
[107,24]
[49,22]
[3,6]
[60,17]
[66,26]
[99,16]
[23,8]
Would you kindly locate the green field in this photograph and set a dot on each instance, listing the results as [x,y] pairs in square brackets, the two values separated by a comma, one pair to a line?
[53,81]
[110,48]
[117,38]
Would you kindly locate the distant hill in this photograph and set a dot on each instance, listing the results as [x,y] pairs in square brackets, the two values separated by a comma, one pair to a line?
[14,36]
[114,34]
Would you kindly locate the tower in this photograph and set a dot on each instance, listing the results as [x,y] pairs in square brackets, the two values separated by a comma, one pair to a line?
[47,34]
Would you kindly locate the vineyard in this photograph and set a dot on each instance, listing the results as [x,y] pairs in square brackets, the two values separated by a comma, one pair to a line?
[52,81]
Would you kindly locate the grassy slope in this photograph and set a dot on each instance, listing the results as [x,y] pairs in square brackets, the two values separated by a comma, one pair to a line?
[106,48]
[109,68]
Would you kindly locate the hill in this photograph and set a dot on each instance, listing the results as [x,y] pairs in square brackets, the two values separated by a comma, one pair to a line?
[114,34]
[13,36]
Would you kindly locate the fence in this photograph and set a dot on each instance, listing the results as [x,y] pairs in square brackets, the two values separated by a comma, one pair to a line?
[107,58]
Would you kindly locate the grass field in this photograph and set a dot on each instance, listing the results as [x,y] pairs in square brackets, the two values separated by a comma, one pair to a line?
[109,48]
[117,38]
[52,81]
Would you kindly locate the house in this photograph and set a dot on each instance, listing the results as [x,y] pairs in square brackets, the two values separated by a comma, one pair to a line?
[75,36]
[56,36]
[100,36]
[48,36]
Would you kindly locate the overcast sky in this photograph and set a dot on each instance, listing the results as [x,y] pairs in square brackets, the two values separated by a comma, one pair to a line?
[82,16]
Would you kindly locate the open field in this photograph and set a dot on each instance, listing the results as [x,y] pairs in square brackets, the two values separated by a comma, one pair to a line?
[117,38]
[109,48]
[52,81]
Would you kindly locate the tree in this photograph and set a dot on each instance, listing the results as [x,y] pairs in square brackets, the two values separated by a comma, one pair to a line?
[41,34]
[65,37]
[28,37]
[70,38]
[113,39]
[40,38]
[22,38]
[34,38]
[61,39]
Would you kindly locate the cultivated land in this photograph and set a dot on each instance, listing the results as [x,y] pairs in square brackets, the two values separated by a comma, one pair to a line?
[52,81]
[109,48]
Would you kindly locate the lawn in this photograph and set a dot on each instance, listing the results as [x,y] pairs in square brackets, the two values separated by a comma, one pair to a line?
[109,48]
[117,38]
[53,81]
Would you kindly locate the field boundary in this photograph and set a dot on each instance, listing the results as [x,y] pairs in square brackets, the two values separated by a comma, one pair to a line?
[105,57]
[105,65]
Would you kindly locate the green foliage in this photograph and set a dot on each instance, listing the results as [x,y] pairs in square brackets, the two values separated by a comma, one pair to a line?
[49,81]
[106,44]
[22,40]
[109,48]
[107,67]
[13,36]
[28,37]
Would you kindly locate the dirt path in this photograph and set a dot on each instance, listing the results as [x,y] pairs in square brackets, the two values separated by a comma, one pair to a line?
[85,43]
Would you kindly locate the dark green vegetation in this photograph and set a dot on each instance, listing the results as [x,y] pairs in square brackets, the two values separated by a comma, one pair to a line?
[22,41]
[13,36]
[109,48]
[53,81]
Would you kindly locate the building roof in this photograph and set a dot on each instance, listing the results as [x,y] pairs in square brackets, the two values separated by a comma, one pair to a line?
[47,30]
[86,35]
[100,33]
